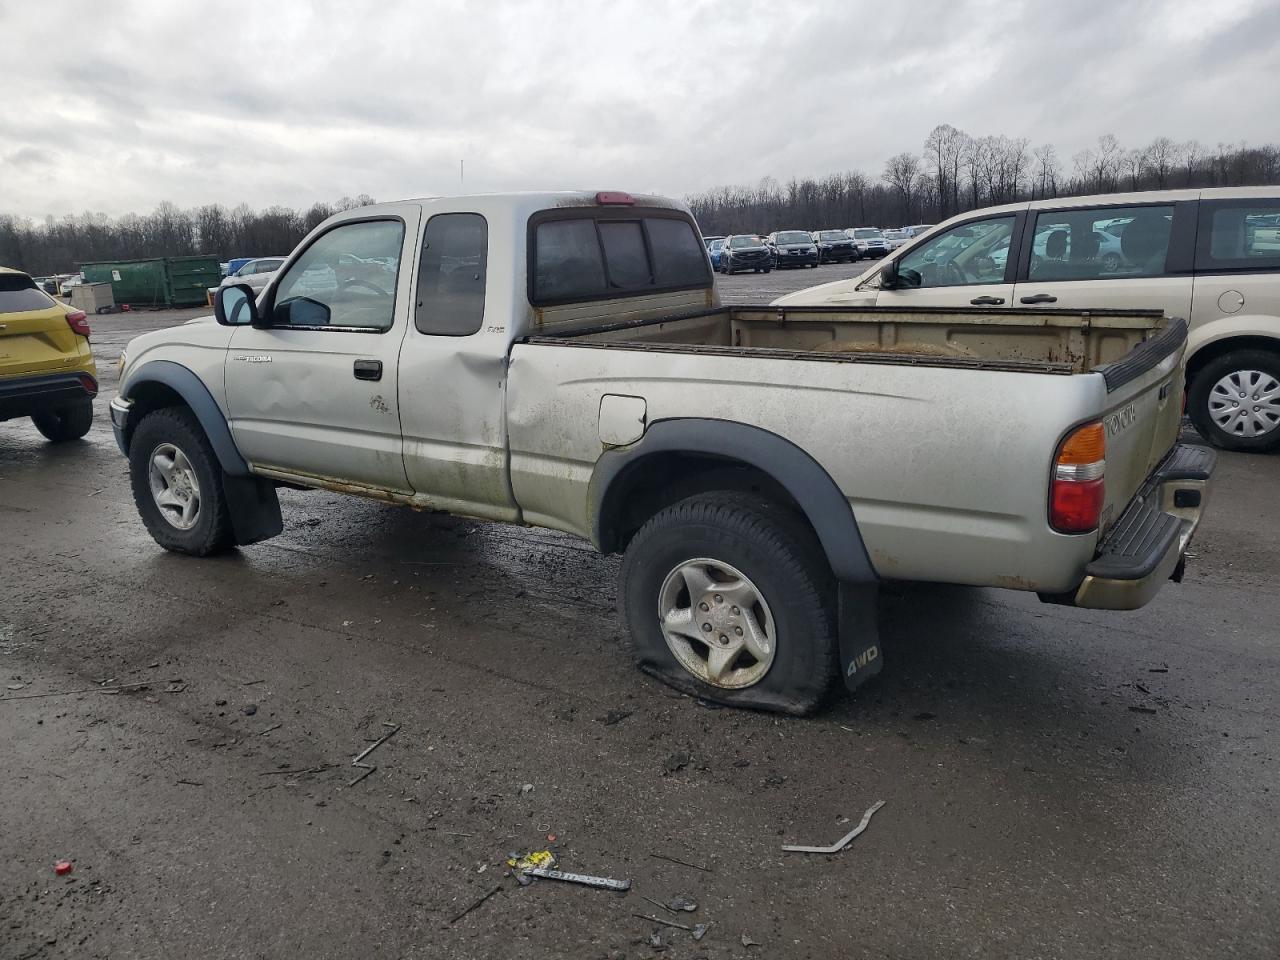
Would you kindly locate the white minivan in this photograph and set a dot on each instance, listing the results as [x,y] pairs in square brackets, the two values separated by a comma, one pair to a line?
[1212,256]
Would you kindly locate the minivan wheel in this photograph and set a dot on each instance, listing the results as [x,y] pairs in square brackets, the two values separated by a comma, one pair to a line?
[65,423]
[728,597]
[1234,401]
[177,483]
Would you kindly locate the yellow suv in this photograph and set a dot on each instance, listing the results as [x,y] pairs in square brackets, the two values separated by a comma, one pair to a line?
[46,368]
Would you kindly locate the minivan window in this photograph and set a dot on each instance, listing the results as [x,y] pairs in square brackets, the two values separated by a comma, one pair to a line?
[604,255]
[1240,235]
[967,254]
[451,276]
[1101,244]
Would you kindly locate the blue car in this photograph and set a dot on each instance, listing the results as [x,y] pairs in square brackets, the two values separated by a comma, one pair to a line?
[714,246]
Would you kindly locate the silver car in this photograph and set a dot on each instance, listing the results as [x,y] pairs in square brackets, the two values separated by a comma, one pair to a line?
[256,273]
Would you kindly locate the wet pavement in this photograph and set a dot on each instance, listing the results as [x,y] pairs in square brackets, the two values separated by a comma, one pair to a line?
[1058,783]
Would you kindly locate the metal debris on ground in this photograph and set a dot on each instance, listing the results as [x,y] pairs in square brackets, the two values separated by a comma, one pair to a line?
[682,903]
[683,863]
[1142,708]
[665,923]
[843,841]
[476,903]
[603,883]
[748,942]
[368,768]
[699,931]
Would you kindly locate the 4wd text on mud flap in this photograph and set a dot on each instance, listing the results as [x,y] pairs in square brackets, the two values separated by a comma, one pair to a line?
[863,659]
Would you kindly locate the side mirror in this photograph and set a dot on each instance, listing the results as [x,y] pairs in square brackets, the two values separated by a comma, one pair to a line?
[893,277]
[235,306]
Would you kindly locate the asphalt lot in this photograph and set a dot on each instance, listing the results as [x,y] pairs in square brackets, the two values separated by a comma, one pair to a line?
[1058,783]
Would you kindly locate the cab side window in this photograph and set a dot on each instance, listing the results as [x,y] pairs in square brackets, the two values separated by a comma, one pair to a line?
[346,278]
[1101,244]
[967,254]
[1241,235]
[451,278]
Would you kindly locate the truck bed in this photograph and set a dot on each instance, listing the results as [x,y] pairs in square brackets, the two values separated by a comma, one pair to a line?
[1037,341]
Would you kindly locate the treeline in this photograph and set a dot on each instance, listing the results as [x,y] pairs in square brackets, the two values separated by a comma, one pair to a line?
[60,246]
[956,172]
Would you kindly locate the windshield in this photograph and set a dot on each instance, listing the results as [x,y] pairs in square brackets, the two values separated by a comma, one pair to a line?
[894,235]
[19,293]
[738,243]
[832,235]
[866,233]
[794,236]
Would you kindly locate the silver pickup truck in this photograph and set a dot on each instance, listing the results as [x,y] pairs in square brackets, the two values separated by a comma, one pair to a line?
[761,469]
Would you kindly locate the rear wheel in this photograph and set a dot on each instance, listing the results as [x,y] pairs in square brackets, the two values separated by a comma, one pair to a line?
[65,423]
[1234,401]
[177,483]
[728,597]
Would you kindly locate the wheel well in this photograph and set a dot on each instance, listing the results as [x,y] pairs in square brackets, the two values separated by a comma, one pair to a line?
[150,396]
[659,480]
[1220,348]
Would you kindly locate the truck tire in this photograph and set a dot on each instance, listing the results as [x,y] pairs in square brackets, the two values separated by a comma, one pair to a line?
[776,648]
[177,483]
[65,423]
[1234,401]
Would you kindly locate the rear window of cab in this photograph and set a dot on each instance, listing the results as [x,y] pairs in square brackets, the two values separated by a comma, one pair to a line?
[595,254]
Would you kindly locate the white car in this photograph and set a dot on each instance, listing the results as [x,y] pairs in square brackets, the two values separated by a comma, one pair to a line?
[916,229]
[895,239]
[869,241]
[256,273]
[1210,255]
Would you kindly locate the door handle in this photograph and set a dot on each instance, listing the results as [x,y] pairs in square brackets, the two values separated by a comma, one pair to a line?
[987,301]
[367,369]
[1040,298]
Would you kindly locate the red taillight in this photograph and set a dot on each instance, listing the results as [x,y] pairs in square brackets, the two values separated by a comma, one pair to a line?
[78,322]
[1078,488]
[90,385]
[615,198]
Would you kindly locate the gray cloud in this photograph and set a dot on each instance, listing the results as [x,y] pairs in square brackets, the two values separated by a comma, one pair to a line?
[146,100]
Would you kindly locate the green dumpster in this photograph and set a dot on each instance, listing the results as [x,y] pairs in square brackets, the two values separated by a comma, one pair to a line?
[161,281]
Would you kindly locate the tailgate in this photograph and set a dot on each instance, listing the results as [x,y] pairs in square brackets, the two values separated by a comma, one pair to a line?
[1143,414]
[34,335]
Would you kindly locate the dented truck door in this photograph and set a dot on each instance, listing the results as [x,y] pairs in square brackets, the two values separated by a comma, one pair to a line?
[312,391]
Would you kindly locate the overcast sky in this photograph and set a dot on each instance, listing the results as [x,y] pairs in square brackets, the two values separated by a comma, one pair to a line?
[116,106]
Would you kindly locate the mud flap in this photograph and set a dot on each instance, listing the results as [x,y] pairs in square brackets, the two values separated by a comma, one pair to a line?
[254,508]
[860,656]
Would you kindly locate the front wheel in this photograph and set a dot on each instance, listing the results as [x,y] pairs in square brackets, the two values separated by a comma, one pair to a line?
[727,596]
[177,483]
[1234,401]
[65,423]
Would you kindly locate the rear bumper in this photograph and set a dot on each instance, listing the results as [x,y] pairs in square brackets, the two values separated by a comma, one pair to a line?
[1147,545]
[23,396]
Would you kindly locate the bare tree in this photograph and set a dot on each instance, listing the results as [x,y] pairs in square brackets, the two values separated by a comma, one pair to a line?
[900,172]
[944,150]
[1048,169]
[1162,155]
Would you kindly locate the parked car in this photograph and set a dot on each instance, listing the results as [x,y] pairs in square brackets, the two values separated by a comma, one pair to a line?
[869,241]
[47,371]
[1208,255]
[67,283]
[745,252]
[793,248]
[256,272]
[917,229]
[715,246]
[586,378]
[893,239]
[834,247]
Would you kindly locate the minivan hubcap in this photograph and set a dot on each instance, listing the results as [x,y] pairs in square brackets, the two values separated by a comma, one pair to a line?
[1246,403]
[174,486]
[717,624]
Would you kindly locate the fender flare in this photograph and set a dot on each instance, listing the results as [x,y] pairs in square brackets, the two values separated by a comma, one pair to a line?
[808,483]
[196,395]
